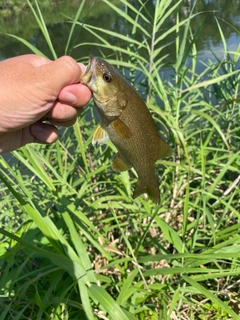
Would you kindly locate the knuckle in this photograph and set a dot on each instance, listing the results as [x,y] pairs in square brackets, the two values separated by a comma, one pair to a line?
[69,62]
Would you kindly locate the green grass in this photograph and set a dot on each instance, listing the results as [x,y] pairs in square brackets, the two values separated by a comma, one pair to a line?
[75,245]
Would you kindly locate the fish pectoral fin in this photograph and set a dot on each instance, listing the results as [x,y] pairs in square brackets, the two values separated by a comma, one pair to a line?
[121,128]
[152,191]
[100,136]
[164,149]
[119,165]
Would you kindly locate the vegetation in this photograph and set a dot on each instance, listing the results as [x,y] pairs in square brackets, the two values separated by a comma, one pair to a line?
[75,245]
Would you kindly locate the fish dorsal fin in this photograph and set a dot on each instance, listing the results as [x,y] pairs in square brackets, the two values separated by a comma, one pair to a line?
[164,149]
[100,136]
[121,128]
[119,165]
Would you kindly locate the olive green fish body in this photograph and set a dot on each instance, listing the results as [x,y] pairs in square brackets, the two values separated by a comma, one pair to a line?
[128,123]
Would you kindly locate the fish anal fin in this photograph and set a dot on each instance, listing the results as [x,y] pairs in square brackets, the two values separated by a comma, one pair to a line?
[121,128]
[152,191]
[100,136]
[164,149]
[119,165]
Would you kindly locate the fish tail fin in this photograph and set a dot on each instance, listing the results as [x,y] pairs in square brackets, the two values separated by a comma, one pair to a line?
[151,189]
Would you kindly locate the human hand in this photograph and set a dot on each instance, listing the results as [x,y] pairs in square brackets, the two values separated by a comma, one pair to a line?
[34,89]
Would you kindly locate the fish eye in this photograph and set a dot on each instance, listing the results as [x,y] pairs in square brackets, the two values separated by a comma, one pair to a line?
[107,77]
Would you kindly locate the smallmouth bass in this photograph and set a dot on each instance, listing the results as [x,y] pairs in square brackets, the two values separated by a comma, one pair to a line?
[126,120]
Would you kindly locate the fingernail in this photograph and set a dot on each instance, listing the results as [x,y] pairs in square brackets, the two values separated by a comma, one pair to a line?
[37,127]
[68,97]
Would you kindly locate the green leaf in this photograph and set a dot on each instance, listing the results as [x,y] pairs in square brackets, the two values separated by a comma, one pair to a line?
[109,305]
[209,295]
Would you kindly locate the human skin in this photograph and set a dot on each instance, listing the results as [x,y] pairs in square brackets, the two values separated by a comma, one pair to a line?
[33,90]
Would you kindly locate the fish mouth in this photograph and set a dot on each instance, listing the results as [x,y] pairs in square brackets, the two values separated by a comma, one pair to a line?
[87,77]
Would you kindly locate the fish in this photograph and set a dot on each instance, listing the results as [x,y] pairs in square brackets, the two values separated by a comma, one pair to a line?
[127,122]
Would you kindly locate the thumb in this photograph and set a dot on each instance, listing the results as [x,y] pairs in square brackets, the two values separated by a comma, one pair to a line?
[59,73]
[37,132]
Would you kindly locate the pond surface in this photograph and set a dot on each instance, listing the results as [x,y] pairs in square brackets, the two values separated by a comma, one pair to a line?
[19,20]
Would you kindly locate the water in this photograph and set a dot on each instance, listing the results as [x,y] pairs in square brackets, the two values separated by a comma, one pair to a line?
[20,21]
